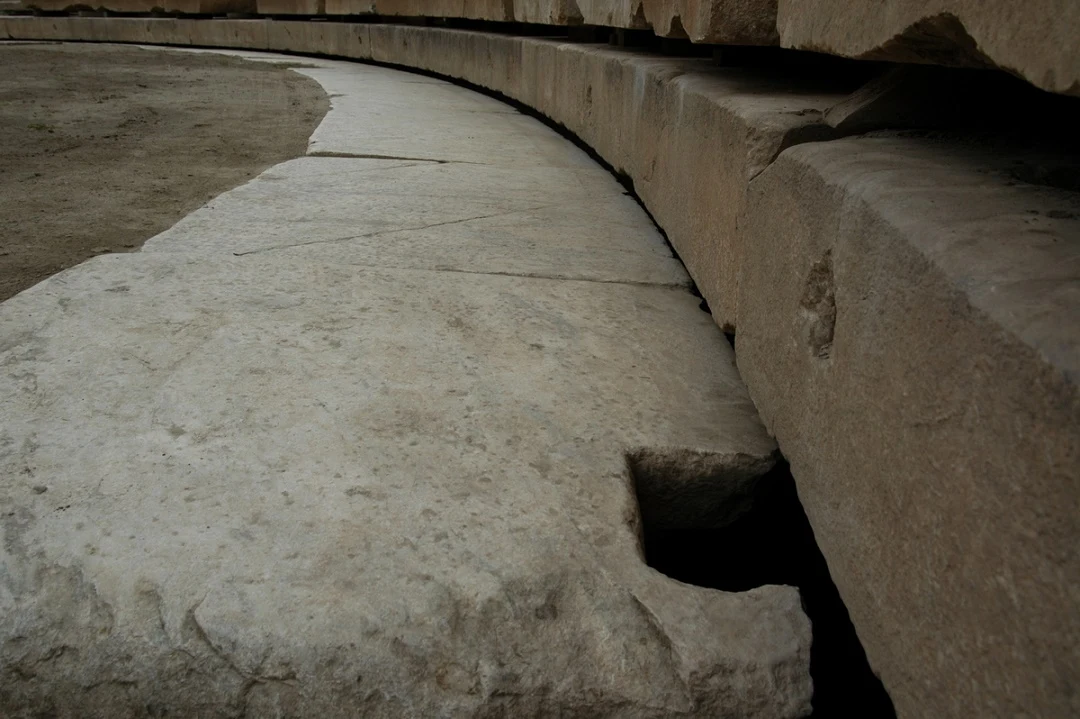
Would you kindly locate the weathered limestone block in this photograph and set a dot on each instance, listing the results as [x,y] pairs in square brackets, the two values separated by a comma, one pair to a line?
[1035,40]
[690,135]
[547,12]
[338,39]
[361,437]
[350,7]
[908,329]
[192,7]
[209,7]
[291,7]
[240,34]
[491,10]
[734,22]
[378,517]
[489,60]
[629,14]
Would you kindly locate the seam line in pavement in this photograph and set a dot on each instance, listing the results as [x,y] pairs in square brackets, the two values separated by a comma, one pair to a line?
[386,232]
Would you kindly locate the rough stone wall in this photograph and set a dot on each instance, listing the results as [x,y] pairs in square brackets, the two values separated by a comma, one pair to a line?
[189,7]
[736,22]
[906,324]
[1035,40]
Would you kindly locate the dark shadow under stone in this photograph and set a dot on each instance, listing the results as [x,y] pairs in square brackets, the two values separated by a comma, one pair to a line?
[774,544]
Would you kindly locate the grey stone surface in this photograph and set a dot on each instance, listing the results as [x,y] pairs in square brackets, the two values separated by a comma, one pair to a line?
[908,329]
[1035,40]
[382,478]
[547,222]
[690,135]
[937,440]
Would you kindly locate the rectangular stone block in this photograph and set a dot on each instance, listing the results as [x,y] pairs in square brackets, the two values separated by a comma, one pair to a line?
[628,14]
[1036,40]
[241,34]
[204,7]
[337,39]
[491,10]
[546,12]
[192,7]
[291,7]
[485,59]
[908,330]
[350,7]
[689,135]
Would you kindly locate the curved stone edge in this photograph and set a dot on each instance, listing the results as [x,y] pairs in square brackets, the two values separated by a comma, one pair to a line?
[1035,41]
[655,119]
[916,500]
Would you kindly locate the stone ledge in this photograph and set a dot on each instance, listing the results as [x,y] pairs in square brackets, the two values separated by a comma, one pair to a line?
[905,359]
[907,326]
[1035,42]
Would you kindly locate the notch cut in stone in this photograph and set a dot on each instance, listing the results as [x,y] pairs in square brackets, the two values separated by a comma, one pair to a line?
[731,529]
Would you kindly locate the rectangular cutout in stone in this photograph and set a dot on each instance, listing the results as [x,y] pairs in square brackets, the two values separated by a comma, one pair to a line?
[767,540]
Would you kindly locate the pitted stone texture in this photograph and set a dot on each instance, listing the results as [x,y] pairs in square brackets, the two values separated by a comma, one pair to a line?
[427,215]
[548,12]
[735,22]
[385,491]
[1035,40]
[659,120]
[908,330]
[290,7]
[192,7]
[492,10]
[350,7]
[376,477]
[398,124]
[629,14]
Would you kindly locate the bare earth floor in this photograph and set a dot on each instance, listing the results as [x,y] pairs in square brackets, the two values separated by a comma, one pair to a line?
[103,147]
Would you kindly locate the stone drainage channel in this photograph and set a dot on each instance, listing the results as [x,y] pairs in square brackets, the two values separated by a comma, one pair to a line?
[351,438]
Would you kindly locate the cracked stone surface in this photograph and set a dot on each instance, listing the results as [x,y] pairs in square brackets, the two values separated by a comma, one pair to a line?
[351,440]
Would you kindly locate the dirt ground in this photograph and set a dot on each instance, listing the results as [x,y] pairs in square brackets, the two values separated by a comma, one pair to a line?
[102,147]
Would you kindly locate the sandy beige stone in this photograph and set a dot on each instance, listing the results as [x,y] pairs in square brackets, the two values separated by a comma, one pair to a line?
[628,14]
[350,7]
[1035,40]
[492,10]
[264,468]
[193,7]
[908,329]
[918,374]
[290,7]
[333,38]
[734,22]
[659,120]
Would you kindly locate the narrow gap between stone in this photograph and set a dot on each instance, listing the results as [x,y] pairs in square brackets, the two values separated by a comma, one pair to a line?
[764,538]
[623,178]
